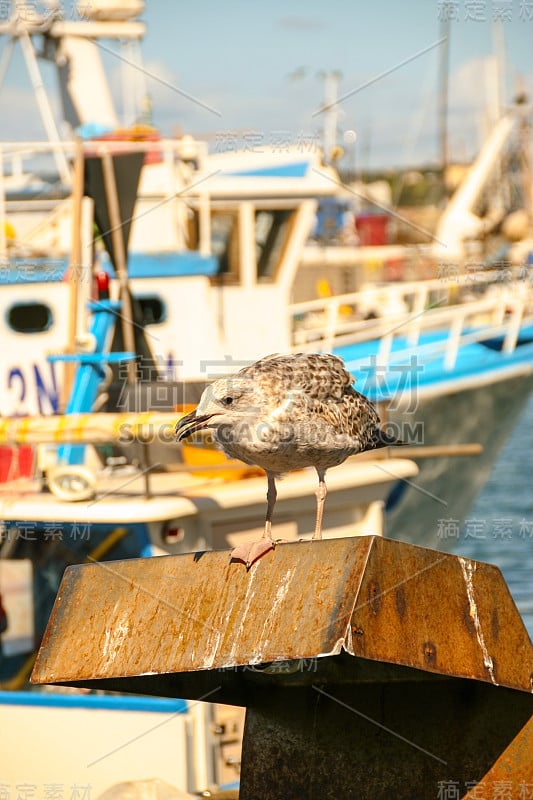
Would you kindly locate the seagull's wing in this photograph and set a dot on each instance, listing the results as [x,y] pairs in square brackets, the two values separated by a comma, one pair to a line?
[322,376]
[353,417]
[318,375]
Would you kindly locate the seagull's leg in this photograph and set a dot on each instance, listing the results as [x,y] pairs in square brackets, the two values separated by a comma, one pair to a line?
[251,551]
[272,495]
[321,493]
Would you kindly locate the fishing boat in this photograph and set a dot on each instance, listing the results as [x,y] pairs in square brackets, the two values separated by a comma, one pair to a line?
[210,267]
[438,341]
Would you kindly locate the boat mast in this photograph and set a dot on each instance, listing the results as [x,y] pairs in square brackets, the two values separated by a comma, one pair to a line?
[443,95]
[331,114]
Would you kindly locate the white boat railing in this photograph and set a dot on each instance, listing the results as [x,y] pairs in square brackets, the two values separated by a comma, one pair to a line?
[432,305]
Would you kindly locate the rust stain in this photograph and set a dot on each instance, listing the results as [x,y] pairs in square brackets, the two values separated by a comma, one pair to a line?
[373,596]
[430,653]
[401,603]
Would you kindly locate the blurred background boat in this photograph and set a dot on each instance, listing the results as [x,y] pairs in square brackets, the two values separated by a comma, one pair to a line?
[207,254]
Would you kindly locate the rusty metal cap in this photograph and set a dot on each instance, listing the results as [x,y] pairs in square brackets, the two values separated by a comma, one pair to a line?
[376,599]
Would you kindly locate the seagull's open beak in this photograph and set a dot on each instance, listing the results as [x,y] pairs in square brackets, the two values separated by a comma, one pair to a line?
[190,423]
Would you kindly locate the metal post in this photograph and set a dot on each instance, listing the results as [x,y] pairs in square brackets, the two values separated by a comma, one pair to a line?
[369,668]
[126,316]
[74,270]
[3,217]
[45,108]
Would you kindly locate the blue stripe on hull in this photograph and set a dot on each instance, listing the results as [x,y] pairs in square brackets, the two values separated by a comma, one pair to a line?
[423,366]
[113,702]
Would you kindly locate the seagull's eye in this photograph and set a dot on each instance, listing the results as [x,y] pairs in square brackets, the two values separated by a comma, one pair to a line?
[228,400]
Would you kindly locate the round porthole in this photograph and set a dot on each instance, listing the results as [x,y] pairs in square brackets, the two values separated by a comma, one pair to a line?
[29,317]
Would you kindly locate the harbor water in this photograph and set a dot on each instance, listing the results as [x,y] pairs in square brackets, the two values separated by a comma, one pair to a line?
[499,528]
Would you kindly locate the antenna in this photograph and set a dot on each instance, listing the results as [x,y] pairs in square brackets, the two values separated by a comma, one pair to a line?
[330,109]
[443,93]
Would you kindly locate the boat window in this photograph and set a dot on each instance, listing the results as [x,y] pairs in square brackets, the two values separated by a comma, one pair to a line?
[153,310]
[224,242]
[29,317]
[271,230]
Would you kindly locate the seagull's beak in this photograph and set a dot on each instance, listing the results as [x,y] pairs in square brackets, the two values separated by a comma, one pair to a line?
[190,423]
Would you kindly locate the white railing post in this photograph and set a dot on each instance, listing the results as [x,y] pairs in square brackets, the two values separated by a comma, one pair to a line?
[419,305]
[331,324]
[453,341]
[513,326]
[17,165]
[383,355]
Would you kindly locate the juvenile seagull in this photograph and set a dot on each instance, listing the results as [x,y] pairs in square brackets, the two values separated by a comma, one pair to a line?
[284,413]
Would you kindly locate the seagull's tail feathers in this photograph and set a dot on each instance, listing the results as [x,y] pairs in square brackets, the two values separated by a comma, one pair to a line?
[383,439]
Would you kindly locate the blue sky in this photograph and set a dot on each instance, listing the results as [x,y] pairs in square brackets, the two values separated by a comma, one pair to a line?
[258,65]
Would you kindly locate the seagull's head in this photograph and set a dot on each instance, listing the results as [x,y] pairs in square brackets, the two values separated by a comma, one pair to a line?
[222,403]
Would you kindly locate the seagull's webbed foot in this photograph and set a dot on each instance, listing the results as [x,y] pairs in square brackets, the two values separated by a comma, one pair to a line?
[249,552]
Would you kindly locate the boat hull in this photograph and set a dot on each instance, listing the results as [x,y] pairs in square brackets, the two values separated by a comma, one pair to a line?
[431,509]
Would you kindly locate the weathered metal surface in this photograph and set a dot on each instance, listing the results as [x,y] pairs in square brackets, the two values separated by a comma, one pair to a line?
[376,598]
[408,741]
[199,611]
[440,613]
[393,655]
[512,774]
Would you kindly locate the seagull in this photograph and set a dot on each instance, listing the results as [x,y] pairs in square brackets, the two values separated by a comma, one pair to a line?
[287,412]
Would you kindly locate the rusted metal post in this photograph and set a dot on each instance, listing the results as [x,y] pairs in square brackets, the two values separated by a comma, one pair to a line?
[369,668]
[126,315]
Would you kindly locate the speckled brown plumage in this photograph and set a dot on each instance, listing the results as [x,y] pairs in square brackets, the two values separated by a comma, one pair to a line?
[286,412]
